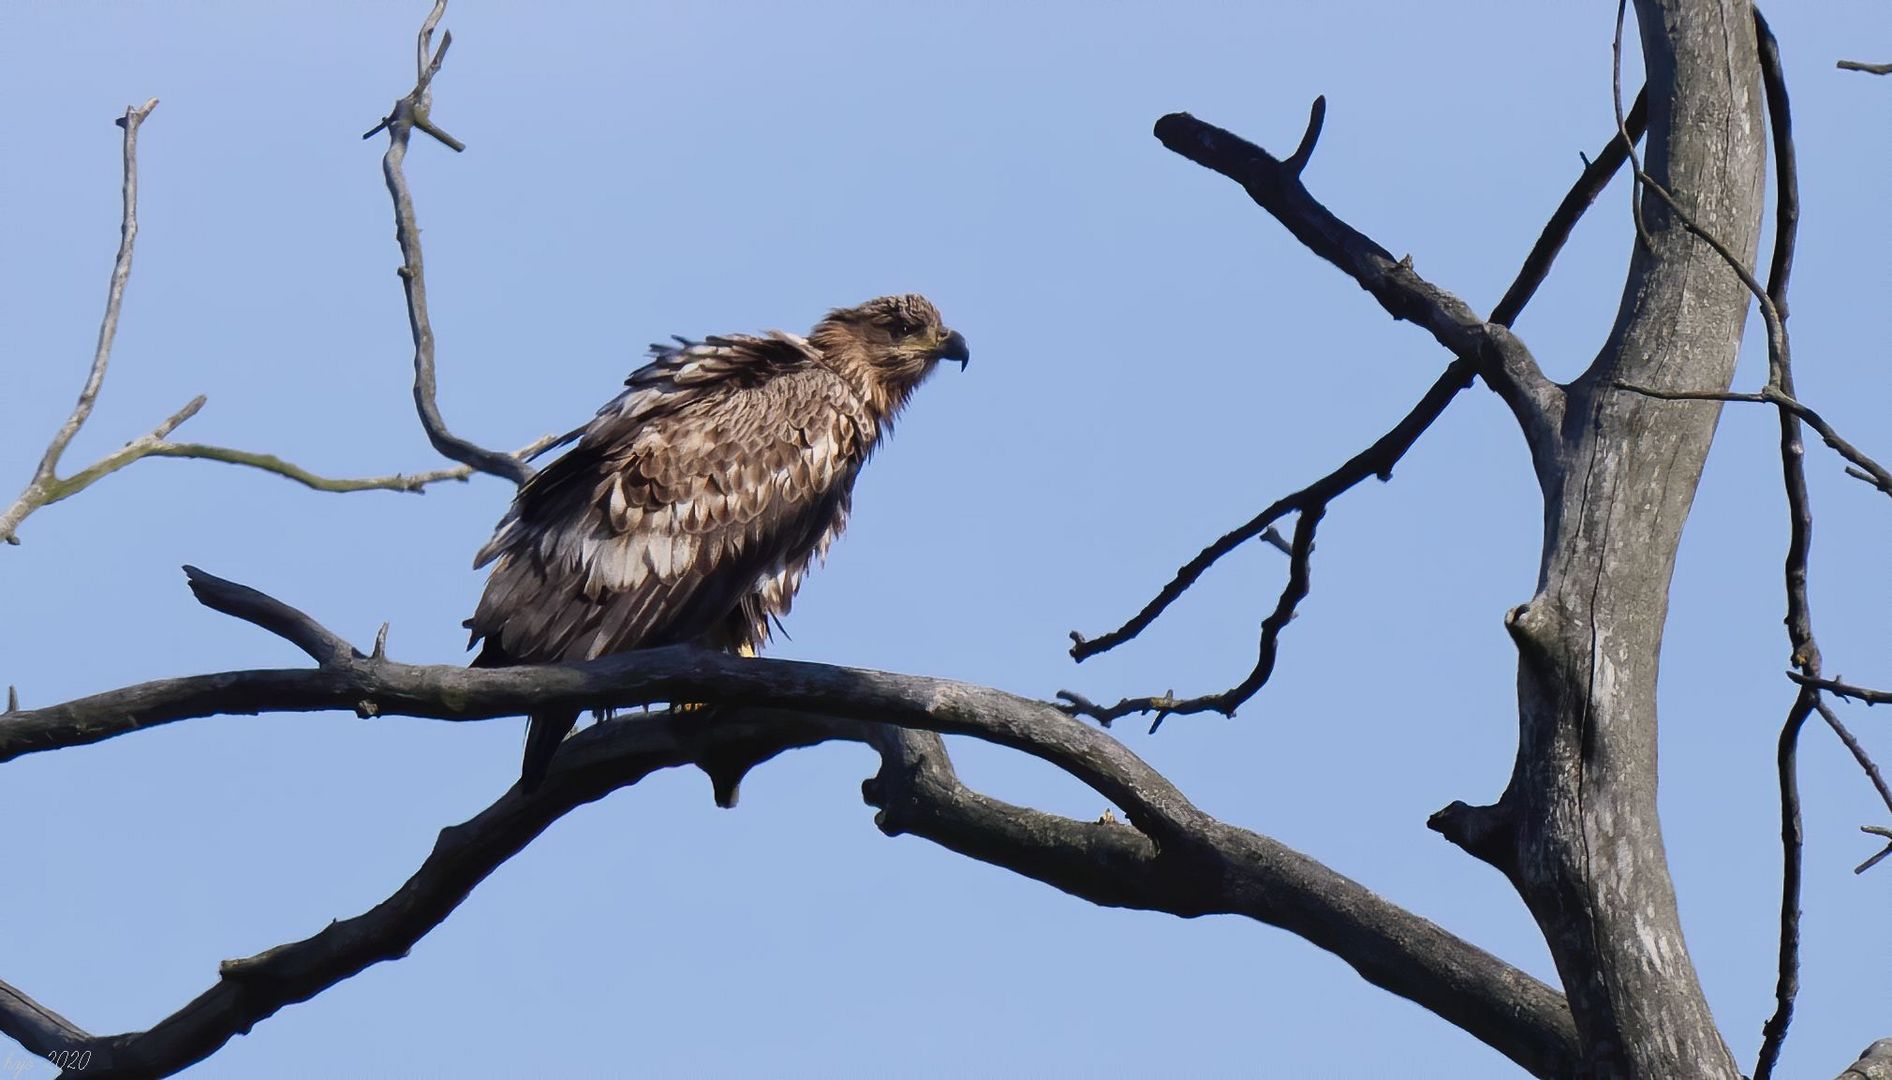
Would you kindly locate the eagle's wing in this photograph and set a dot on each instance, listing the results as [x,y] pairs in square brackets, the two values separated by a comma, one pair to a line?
[700,492]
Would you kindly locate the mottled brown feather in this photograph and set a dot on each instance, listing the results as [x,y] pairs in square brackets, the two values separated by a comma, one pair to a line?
[693,504]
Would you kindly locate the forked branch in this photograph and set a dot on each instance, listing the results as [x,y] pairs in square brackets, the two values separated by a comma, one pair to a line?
[411,112]
[1281,192]
[47,487]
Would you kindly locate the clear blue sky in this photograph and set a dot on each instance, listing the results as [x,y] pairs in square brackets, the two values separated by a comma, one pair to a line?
[1154,359]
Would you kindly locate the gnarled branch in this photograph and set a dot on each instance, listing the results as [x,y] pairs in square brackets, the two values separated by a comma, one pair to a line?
[1377,460]
[1170,857]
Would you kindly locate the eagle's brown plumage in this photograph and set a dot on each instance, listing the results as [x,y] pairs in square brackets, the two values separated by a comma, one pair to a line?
[696,500]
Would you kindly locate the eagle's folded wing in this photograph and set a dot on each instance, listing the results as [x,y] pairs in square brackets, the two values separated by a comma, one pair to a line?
[687,510]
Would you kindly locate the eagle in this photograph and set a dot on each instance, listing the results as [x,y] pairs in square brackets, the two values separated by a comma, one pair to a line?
[696,500]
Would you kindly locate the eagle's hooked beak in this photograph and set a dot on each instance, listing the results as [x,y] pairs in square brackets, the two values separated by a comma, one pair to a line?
[953,347]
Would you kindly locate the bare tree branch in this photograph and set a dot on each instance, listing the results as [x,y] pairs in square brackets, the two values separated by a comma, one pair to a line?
[1863,466]
[1377,460]
[1884,853]
[39,1029]
[1228,870]
[1501,359]
[415,483]
[45,475]
[133,119]
[1870,69]
[1844,689]
[1171,857]
[1597,173]
[411,112]
[47,487]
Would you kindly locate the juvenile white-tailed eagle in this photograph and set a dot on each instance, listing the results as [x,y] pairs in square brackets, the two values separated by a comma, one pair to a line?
[696,500]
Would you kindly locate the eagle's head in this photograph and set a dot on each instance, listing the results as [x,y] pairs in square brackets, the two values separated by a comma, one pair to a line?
[887,346]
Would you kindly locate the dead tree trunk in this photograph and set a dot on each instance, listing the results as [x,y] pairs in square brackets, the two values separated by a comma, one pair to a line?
[1576,831]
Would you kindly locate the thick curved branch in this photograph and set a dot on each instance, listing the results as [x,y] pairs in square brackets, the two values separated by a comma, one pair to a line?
[1172,857]
[1221,869]
[39,1029]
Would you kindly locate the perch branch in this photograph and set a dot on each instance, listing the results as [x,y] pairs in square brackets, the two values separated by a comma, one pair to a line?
[1172,857]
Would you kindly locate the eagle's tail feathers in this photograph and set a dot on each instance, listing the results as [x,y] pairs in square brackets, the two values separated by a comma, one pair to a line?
[544,731]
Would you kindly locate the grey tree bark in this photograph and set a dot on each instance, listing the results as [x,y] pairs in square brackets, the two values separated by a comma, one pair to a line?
[1576,831]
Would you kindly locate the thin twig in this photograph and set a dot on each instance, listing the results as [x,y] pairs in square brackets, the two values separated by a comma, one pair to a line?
[1597,173]
[1300,566]
[1845,690]
[1622,129]
[1863,466]
[1303,153]
[1793,848]
[48,487]
[1876,830]
[1870,69]
[411,112]
[1858,751]
[45,474]
[133,119]
[1376,460]
[416,483]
